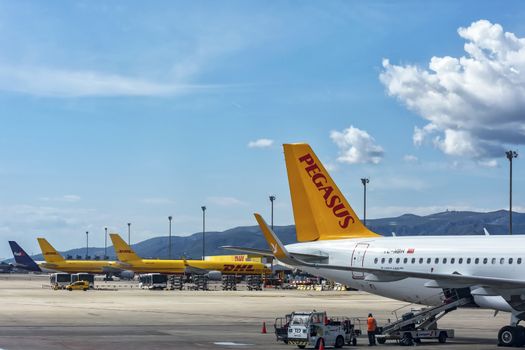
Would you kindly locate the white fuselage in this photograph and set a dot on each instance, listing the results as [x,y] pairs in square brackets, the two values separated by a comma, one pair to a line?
[487,256]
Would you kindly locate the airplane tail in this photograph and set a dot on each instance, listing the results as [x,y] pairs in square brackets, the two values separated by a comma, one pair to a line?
[122,249]
[50,254]
[321,212]
[22,259]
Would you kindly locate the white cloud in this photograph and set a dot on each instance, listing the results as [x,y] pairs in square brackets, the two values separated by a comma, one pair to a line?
[260,143]
[473,104]
[157,201]
[356,146]
[68,198]
[410,158]
[225,201]
[489,163]
[79,83]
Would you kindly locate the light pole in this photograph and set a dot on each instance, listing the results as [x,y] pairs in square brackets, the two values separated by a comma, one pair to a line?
[510,155]
[272,198]
[364,181]
[87,244]
[203,230]
[129,234]
[169,239]
[106,243]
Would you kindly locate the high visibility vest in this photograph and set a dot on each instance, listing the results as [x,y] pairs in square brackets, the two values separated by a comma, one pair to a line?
[371,323]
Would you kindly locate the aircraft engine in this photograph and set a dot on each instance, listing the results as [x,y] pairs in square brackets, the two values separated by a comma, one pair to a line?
[214,275]
[126,275]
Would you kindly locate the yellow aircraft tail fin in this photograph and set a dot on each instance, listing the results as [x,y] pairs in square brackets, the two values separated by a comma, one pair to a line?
[50,254]
[321,212]
[122,249]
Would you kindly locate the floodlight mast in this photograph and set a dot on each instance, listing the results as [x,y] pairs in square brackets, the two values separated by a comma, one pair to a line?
[364,181]
[510,156]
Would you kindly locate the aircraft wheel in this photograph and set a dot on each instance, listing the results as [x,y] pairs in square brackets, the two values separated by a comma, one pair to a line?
[508,336]
[339,342]
[301,346]
[442,337]
[381,340]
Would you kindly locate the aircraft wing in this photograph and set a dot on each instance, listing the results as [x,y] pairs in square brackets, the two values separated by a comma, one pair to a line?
[384,275]
[268,253]
[261,252]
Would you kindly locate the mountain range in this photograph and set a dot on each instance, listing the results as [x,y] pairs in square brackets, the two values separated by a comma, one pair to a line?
[444,223]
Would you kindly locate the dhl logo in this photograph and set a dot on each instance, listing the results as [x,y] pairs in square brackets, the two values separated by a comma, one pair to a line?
[331,201]
[125,251]
[50,253]
[238,268]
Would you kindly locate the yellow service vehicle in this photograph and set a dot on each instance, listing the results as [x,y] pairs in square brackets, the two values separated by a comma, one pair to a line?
[78,285]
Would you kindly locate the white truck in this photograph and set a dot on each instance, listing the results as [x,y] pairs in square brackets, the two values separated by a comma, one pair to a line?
[308,329]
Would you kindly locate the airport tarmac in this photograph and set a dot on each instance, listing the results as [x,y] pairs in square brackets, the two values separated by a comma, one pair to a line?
[32,317]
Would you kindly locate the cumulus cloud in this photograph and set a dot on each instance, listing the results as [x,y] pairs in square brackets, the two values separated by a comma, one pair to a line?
[474,103]
[260,143]
[356,146]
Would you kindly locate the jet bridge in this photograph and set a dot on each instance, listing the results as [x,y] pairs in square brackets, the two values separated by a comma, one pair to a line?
[421,324]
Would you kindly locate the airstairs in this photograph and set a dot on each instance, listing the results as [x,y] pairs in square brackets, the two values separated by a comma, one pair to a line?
[422,324]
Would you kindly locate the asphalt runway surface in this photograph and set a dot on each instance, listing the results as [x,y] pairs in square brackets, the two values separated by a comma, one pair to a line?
[33,317]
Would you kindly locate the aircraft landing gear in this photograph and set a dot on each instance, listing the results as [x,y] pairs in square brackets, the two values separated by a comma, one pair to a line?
[511,336]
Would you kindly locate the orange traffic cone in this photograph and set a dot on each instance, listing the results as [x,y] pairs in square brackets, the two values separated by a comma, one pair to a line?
[264,328]
[321,344]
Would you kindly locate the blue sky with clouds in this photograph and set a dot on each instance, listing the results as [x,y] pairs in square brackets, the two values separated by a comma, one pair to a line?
[124,111]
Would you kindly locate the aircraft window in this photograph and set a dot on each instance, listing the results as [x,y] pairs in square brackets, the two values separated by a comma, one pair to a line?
[436,260]
[460,261]
[398,260]
[444,260]
[519,261]
[502,261]
[382,260]
[452,260]
[376,260]
[420,260]
[485,260]
[469,260]
[429,261]
[493,261]
[405,260]
[510,261]
[476,261]
[413,260]
[390,260]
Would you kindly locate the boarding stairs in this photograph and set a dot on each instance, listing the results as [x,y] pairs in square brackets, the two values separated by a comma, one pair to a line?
[426,318]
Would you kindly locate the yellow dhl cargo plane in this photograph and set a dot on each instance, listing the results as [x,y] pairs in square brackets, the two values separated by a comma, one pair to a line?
[55,261]
[128,259]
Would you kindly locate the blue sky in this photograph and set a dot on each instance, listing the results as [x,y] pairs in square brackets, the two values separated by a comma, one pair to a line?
[116,112]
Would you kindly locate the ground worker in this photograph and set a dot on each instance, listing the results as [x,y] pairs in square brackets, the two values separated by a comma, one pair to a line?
[371,327]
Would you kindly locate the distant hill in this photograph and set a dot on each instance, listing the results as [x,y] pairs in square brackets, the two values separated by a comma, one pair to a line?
[445,223]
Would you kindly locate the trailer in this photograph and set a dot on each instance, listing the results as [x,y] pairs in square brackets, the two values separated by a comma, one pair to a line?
[309,329]
[153,281]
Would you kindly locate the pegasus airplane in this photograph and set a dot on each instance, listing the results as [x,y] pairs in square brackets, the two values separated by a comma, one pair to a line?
[486,271]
